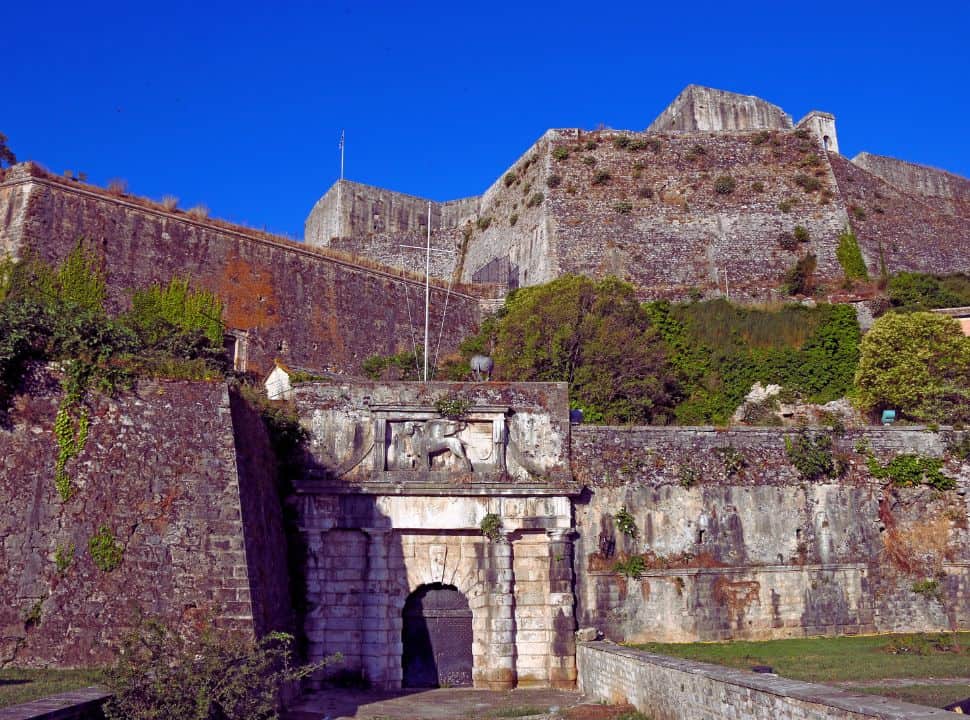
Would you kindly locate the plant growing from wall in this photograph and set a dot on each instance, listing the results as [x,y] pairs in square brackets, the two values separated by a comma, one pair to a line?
[633,567]
[808,183]
[850,257]
[811,455]
[491,526]
[536,200]
[602,177]
[626,523]
[510,179]
[929,589]
[452,406]
[734,461]
[800,279]
[483,222]
[105,550]
[623,207]
[911,470]
[63,557]
[70,434]
[800,233]
[560,153]
[725,185]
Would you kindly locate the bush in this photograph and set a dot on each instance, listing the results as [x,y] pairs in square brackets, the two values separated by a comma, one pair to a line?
[560,153]
[623,207]
[645,192]
[170,202]
[918,291]
[808,183]
[800,279]
[761,137]
[800,233]
[536,200]
[621,142]
[787,241]
[696,151]
[758,187]
[917,363]
[909,470]
[850,257]
[786,205]
[725,185]
[554,181]
[589,161]
[199,212]
[118,186]
[857,212]
[483,222]
[510,179]
[513,219]
[210,676]
[602,178]
[811,455]
[105,550]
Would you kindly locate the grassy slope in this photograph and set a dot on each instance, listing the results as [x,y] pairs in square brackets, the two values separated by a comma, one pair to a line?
[826,659]
[932,695]
[19,686]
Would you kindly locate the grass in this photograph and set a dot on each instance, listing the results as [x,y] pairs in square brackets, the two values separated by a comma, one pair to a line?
[932,695]
[829,659]
[22,685]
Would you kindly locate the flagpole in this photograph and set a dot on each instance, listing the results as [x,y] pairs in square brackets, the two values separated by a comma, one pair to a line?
[341,154]
[427,293]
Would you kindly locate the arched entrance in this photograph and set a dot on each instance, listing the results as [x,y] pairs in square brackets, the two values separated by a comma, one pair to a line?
[437,637]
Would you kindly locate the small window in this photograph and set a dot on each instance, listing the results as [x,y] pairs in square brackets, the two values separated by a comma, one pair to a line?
[825,142]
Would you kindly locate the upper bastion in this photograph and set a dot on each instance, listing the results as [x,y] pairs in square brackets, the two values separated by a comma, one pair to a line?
[704,109]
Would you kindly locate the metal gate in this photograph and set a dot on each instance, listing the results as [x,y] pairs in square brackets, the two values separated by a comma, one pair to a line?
[437,638]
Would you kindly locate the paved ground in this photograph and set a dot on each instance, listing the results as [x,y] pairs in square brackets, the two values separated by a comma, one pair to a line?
[448,704]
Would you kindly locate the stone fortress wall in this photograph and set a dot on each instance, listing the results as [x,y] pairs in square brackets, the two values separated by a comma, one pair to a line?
[652,214]
[282,299]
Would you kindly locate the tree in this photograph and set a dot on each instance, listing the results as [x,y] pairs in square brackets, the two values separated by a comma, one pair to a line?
[6,154]
[918,364]
[593,335]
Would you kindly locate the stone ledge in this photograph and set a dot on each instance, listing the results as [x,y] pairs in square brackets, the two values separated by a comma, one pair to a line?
[81,704]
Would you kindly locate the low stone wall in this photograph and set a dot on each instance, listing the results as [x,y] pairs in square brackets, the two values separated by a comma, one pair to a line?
[84,704]
[668,688]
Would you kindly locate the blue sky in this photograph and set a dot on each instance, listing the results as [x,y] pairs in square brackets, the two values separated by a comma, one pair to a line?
[240,105]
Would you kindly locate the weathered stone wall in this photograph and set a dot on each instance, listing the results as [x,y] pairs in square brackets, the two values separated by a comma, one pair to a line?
[908,230]
[284,299]
[669,688]
[917,179]
[704,109]
[658,221]
[162,471]
[737,545]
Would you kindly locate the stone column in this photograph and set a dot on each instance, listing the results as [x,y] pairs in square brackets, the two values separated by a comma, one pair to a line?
[500,673]
[377,643]
[562,648]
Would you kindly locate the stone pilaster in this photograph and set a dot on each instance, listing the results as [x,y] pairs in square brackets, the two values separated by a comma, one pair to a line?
[500,673]
[562,649]
[378,645]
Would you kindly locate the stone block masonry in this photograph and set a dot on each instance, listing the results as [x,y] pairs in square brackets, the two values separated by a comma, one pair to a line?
[282,299]
[666,688]
[195,514]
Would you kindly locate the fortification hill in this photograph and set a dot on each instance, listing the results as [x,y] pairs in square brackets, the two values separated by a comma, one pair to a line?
[705,200]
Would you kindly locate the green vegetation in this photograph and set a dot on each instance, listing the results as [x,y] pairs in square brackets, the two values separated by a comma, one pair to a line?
[603,177]
[63,557]
[928,694]
[908,470]
[800,233]
[105,550]
[930,588]
[491,526]
[623,207]
[510,179]
[483,222]
[850,257]
[696,151]
[6,154]
[800,278]
[718,350]
[808,183]
[633,567]
[910,291]
[20,685]
[554,181]
[560,153]
[400,366]
[536,200]
[811,454]
[918,364]
[452,406]
[870,657]
[593,335]
[621,142]
[725,185]
[215,676]
[625,522]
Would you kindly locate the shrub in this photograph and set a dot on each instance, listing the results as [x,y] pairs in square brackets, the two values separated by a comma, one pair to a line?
[589,160]
[918,291]
[917,363]
[761,137]
[696,151]
[633,567]
[536,200]
[105,550]
[910,470]
[554,181]
[623,207]
[513,219]
[483,222]
[200,212]
[811,455]
[602,178]
[560,153]
[645,192]
[808,183]
[787,241]
[758,187]
[118,186]
[800,233]
[621,142]
[491,526]
[170,202]
[786,205]
[653,144]
[850,257]
[591,144]
[625,522]
[810,160]
[452,406]
[725,185]
[800,279]
[857,212]
[212,675]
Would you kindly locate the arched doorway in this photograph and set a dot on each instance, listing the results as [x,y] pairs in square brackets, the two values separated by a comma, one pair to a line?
[437,637]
